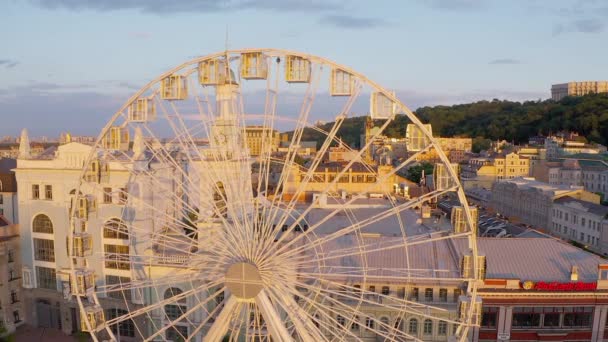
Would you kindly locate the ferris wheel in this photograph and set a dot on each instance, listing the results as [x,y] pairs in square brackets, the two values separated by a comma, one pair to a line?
[197,220]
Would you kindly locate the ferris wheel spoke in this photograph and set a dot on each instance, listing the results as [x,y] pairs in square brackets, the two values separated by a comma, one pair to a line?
[358,226]
[374,299]
[318,157]
[190,311]
[297,133]
[160,304]
[220,326]
[273,321]
[380,180]
[303,325]
[352,314]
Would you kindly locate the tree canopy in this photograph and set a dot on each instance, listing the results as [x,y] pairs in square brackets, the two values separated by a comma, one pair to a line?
[493,120]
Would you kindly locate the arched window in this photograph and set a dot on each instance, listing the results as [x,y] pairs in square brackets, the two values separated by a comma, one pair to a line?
[384,323]
[413,328]
[42,224]
[124,327]
[178,308]
[115,229]
[428,327]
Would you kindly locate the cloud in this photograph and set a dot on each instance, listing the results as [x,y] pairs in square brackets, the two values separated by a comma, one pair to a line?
[140,35]
[591,25]
[505,61]
[185,6]
[350,22]
[455,5]
[8,63]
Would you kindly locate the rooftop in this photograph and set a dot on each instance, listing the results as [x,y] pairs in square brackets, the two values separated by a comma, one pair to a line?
[593,208]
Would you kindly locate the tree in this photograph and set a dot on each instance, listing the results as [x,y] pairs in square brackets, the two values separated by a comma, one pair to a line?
[414,173]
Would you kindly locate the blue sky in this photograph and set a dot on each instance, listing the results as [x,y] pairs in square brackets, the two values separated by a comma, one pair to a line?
[67,65]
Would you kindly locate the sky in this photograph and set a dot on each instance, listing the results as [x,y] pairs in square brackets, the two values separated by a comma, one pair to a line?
[68,65]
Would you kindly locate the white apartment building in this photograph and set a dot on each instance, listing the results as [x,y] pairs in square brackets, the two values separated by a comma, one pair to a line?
[581,221]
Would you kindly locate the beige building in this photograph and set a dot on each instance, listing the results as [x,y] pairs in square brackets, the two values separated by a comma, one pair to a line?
[358,178]
[11,310]
[482,172]
[531,201]
[559,91]
[258,136]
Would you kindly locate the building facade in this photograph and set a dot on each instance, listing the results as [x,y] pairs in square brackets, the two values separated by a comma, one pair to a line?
[559,91]
[11,302]
[531,201]
[483,172]
[258,137]
[581,221]
[8,190]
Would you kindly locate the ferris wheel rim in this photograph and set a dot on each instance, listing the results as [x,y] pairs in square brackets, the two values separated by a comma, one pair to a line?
[375,86]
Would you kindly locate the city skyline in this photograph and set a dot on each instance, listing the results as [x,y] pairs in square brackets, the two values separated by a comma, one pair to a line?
[96,56]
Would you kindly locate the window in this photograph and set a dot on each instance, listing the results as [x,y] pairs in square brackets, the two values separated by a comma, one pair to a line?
[355,323]
[114,293]
[428,294]
[47,278]
[443,295]
[383,323]
[177,333]
[44,250]
[115,229]
[123,196]
[117,257]
[174,311]
[369,323]
[42,224]
[341,321]
[126,328]
[16,317]
[442,328]
[1,198]
[14,297]
[415,294]
[35,191]
[524,317]
[427,328]
[48,192]
[107,195]
[488,318]
[413,326]
[385,290]
[11,255]
[457,293]
[551,319]
[579,317]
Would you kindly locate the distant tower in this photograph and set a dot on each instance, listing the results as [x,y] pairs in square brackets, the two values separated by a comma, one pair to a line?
[24,145]
[138,144]
[68,138]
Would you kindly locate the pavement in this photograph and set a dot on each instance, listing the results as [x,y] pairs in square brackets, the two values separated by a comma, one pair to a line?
[27,333]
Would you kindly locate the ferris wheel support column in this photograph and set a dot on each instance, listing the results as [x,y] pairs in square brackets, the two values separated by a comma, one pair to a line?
[220,327]
[277,329]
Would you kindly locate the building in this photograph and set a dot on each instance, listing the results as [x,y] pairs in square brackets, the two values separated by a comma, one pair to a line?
[257,137]
[11,302]
[530,201]
[559,91]
[8,190]
[541,289]
[483,172]
[578,170]
[581,221]
[558,146]
[358,178]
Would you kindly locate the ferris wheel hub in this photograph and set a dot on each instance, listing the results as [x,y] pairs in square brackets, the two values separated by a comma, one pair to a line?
[244,281]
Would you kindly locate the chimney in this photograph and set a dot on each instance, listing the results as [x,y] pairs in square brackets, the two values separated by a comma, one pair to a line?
[24,145]
[574,273]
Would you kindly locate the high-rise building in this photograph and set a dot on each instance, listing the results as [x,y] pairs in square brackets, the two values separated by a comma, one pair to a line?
[559,91]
